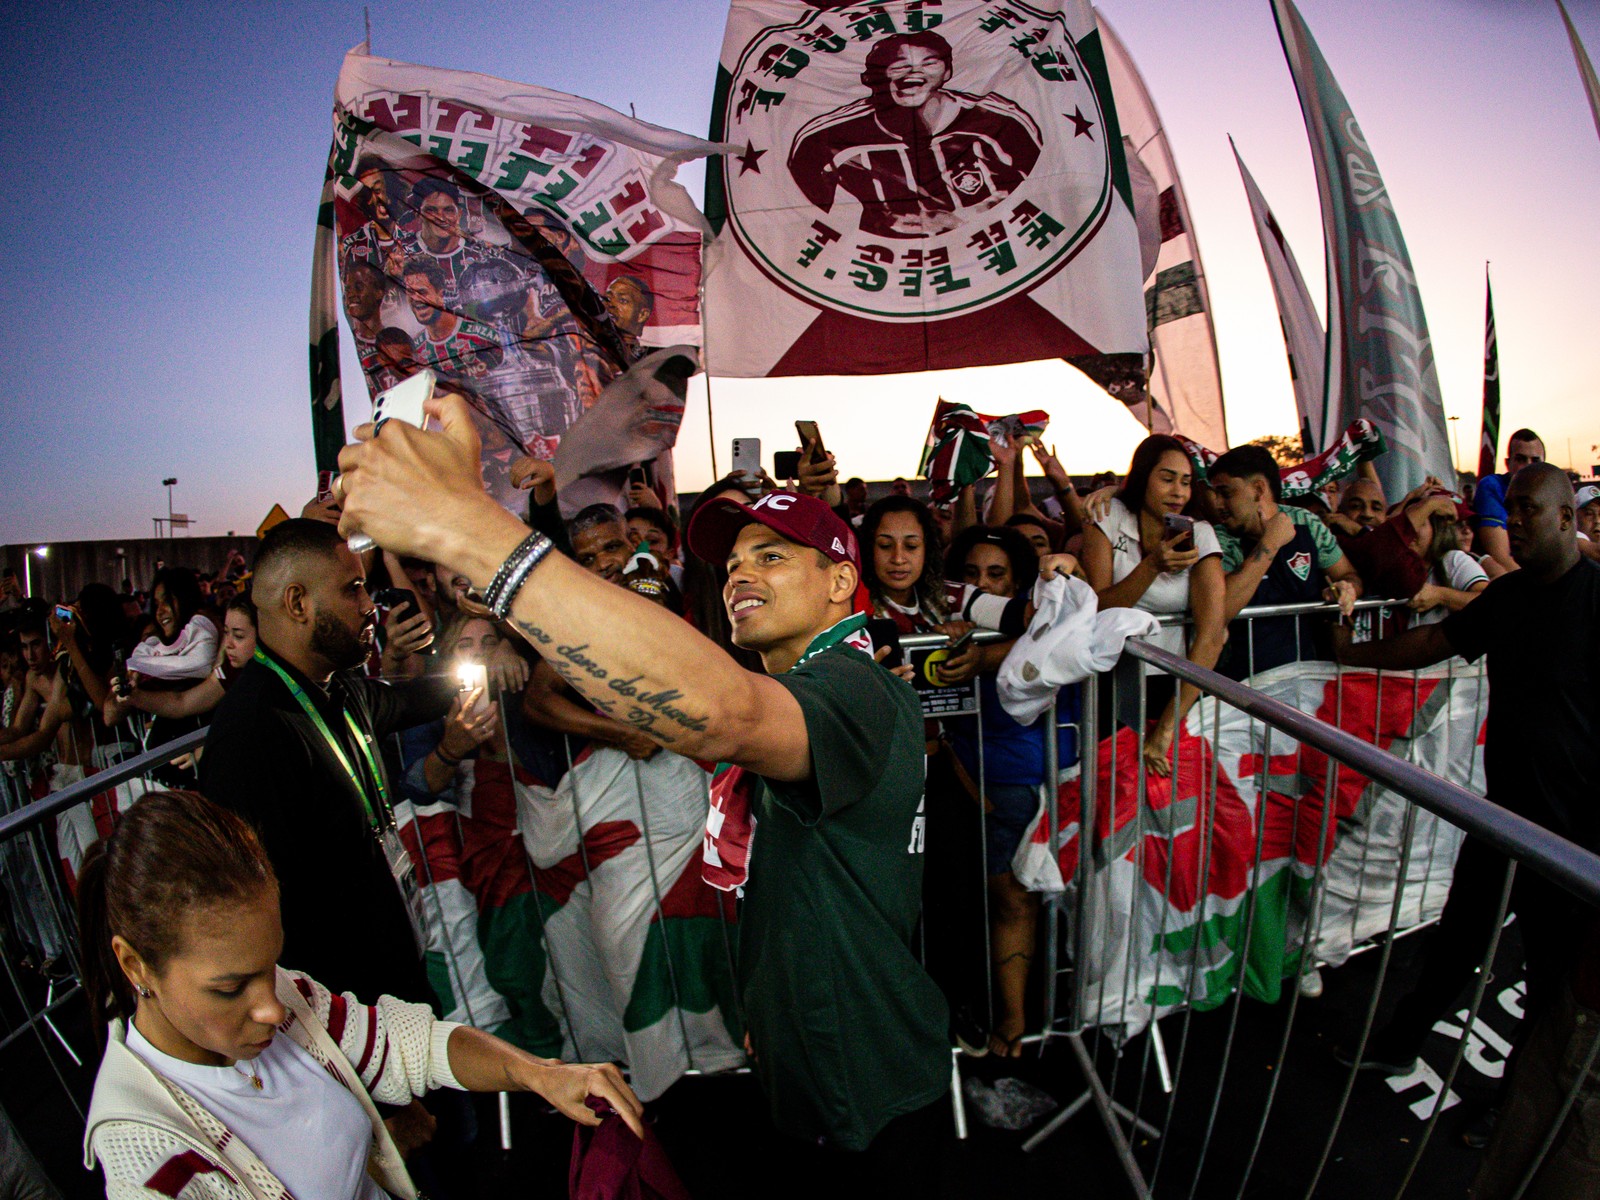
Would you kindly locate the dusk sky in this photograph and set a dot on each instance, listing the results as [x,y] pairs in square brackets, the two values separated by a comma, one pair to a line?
[166,162]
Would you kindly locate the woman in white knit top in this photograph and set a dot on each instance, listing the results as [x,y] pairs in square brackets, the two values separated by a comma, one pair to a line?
[227,1076]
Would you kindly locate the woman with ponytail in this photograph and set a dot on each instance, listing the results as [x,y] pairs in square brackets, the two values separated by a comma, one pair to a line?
[226,1075]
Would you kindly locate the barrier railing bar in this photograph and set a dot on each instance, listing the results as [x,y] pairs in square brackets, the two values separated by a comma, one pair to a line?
[86,789]
[1570,867]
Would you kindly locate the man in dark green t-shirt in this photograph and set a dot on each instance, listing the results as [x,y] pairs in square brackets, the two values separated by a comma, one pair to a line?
[848,1031]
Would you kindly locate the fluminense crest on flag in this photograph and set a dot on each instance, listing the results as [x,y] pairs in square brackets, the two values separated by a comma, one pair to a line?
[1303,335]
[916,184]
[1380,356]
[1489,442]
[524,244]
[1184,388]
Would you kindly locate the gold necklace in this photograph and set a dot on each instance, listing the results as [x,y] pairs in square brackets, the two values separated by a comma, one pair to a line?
[254,1076]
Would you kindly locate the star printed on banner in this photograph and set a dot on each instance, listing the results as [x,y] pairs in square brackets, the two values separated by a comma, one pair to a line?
[1080,124]
[750,160]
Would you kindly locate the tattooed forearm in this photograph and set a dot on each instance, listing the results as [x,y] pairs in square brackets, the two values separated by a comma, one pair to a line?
[648,711]
[660,702]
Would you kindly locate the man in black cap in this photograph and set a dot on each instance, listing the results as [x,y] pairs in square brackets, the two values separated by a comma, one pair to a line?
[848,1032]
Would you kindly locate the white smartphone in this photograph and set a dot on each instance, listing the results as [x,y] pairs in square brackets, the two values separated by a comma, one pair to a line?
[747,456]
[403,402]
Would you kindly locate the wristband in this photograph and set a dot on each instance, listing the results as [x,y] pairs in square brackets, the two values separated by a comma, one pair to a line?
[513,573]
[445,758]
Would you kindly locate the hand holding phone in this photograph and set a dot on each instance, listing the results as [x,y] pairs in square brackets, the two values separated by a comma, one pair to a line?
[403,402]
[1179,527]
[811,440]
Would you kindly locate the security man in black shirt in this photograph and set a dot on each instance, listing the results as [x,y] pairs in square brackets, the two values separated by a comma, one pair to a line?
[294,748]
[1540,627]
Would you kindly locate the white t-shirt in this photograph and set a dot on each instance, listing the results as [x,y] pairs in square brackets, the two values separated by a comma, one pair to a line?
[1170,591]
[1455,570]
[303,1124]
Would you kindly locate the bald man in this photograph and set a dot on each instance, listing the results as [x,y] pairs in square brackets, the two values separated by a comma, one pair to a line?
[1540,627]
[295,749]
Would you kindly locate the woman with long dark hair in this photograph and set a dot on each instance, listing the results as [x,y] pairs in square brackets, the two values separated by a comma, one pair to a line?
[902,564]
[1134,561]
[1008,760]
[225,1075]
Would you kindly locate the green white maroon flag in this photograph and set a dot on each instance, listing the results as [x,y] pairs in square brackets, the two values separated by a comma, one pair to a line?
[1185,386]
[1379,357]
[1303,336]
[1489,440]
[918,184]
[526,245]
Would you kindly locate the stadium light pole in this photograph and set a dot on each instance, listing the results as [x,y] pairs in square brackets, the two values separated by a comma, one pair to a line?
[169,484]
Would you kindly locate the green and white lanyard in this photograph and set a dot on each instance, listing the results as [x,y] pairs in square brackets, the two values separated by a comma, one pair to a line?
[381,818]
[378,822]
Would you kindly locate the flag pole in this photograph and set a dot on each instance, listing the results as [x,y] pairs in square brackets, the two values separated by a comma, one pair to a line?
[705,355]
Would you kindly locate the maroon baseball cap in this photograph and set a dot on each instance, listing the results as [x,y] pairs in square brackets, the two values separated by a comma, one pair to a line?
[802,519]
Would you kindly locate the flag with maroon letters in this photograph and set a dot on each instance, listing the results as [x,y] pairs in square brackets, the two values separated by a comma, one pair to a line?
[916,184]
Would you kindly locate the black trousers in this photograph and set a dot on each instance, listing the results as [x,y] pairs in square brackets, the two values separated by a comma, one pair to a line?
[1546,920]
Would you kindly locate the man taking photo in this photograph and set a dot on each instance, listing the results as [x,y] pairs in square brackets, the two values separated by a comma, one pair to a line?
[848,1033]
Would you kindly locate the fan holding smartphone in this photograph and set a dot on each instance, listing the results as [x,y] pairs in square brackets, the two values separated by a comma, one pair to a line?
[1150,552]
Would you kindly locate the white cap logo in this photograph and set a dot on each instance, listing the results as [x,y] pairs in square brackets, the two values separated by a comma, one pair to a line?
[778,501]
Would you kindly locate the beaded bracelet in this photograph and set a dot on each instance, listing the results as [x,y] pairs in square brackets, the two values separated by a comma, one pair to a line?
[513,573]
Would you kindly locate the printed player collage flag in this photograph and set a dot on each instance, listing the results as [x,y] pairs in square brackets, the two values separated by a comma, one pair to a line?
[526,245]
[916,185]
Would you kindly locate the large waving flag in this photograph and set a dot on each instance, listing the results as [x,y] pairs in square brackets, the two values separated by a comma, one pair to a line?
[524,244]
[1489,442]
[916,185]
[1591,85]
[1185,381]
[1380,357]
[1303,336]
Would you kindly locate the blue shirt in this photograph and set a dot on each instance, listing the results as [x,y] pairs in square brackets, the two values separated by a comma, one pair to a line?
[1489,502]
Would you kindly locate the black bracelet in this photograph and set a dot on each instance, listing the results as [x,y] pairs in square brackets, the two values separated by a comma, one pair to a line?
[498,583]
[445,758]
[514,572]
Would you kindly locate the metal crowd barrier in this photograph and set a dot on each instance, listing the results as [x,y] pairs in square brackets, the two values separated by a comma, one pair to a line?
[1142,1120]
[1140,1115]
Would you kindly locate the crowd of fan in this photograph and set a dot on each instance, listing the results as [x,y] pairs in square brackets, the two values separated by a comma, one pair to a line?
[101,675]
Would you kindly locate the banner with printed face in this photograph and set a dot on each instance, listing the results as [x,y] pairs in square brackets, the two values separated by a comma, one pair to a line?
[524,244]
[1379,361]
[916,184]
[1196,892]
